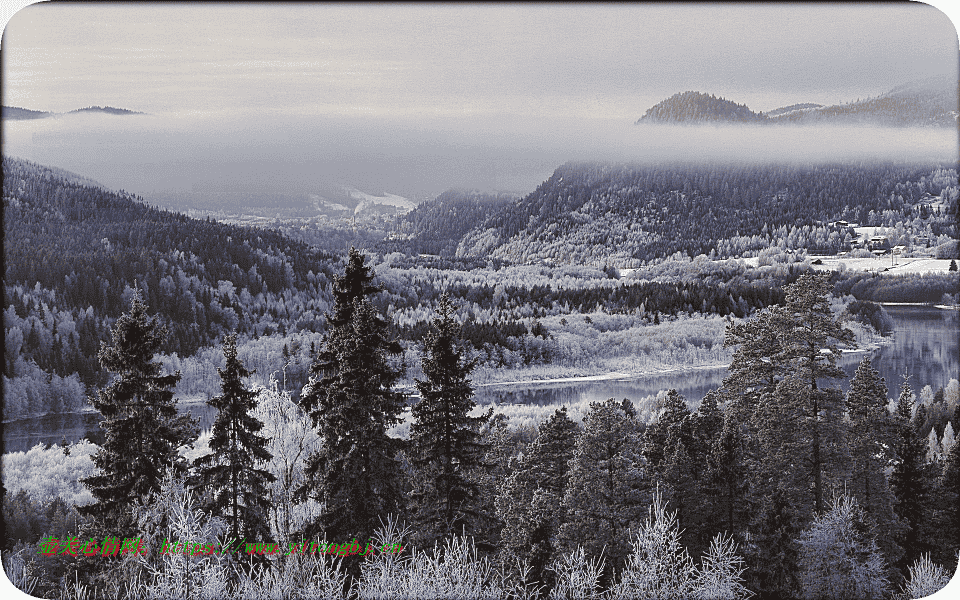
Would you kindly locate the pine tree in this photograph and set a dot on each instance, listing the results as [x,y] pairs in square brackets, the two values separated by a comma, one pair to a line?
[351,403]
[907,480]
[773,554]
[608,486]
[871,450]
[752,369]
[530,498]
[673,413]
[798,425]
[727,477]
[444,438]
[236,488]
[142,428]
[948,506]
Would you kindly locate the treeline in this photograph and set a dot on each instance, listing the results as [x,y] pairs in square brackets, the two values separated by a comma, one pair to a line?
[787,487]
[634,214]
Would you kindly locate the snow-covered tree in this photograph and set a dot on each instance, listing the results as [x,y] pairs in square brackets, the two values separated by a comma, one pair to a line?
[934,450]
[839,557]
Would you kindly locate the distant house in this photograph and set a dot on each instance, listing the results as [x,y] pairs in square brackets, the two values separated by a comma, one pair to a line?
[899,249]
[879,243]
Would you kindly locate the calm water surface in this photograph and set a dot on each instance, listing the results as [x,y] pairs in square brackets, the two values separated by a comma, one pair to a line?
[925,346]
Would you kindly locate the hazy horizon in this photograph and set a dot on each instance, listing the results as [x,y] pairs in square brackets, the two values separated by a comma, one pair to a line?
[416,99]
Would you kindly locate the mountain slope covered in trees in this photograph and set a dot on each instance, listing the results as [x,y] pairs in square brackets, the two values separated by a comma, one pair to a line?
[75,252]
[629,214]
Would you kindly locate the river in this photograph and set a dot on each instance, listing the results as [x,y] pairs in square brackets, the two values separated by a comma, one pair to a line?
[924,345]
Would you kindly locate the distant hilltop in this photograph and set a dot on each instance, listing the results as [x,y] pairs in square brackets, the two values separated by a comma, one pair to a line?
[15,113]
[931,102]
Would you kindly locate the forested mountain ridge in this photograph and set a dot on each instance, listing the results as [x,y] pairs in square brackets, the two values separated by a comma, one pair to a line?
[437,226]
[697,107]
[628,214]
[74,253]
[931,102]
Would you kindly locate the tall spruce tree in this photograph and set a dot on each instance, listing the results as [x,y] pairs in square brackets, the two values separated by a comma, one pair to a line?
[236,489]
[444,438]
[351,402]
[141,425]
[908,481]
[871,450]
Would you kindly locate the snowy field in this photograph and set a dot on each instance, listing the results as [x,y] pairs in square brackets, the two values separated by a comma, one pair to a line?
[895,265]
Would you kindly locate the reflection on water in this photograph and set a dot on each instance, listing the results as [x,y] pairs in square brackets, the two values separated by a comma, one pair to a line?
[925,346]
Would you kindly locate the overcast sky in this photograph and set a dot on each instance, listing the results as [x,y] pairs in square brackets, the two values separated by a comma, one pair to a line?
[415,99]
[586,61]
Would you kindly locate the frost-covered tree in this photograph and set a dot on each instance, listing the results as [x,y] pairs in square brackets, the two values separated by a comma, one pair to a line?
[658,565]
[926,578]
[444,439]
[949,439]
[142,428]
[839,557]
[234,485]
[175,566]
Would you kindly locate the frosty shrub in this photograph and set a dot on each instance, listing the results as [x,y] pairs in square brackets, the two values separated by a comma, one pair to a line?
[578,577]
[172,514]
[452,571]
[926,578]
[719,575]
[839,557]
[658,567]
[295,577]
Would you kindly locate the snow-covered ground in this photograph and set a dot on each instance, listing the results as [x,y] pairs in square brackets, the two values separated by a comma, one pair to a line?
[895,265]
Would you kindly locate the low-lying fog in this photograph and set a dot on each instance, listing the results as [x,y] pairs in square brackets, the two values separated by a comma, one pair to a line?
[287,154]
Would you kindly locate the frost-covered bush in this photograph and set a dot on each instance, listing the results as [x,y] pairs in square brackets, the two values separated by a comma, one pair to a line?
[452,571]
[578,577]
[926,578]
[295,577]
[658,566]
[172,515]
[839,557]
[719,575]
